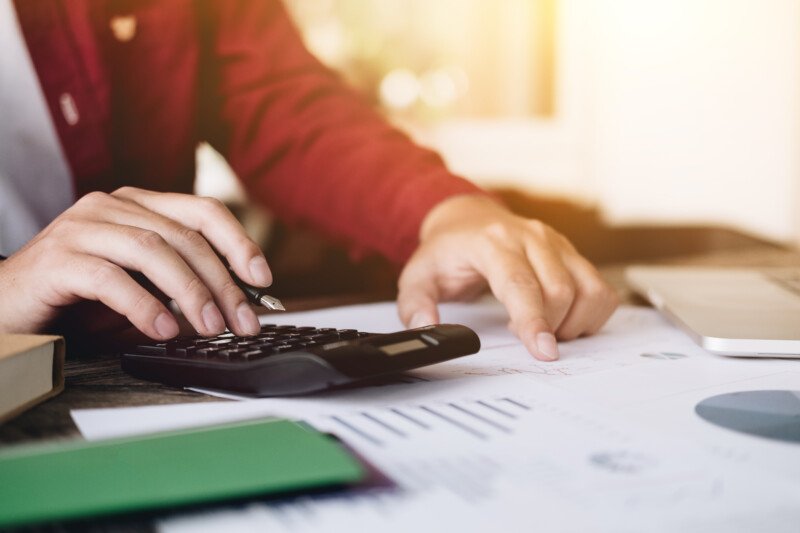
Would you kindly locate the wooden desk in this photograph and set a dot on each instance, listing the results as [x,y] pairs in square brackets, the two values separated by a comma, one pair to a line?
[99,382]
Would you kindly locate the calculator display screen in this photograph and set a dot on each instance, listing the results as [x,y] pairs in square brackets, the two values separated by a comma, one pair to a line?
[402,347]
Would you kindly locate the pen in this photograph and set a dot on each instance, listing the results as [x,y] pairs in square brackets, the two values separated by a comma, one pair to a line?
[258,296]
[254,294]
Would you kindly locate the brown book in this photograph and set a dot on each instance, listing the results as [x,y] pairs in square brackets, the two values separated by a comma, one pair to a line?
[31,370]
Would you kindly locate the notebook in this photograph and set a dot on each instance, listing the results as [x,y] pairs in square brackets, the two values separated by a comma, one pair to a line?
[69,480]
[729,311]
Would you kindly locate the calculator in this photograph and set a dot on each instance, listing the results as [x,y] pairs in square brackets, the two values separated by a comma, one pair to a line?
[288,360]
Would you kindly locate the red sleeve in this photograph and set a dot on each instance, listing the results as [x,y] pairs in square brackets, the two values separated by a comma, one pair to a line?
[305,145]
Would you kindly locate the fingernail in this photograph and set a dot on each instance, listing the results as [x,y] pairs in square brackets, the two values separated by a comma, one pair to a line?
[418,320]
[260,272]
[248,320]
[212,318]
[166,326]
[547,346]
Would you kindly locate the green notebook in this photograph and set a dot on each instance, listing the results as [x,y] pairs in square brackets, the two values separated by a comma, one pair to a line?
[60,481]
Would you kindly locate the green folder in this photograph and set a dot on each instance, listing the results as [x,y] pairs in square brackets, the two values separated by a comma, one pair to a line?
[67,480]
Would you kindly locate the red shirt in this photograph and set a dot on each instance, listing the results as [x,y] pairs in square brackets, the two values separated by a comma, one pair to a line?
[233,73]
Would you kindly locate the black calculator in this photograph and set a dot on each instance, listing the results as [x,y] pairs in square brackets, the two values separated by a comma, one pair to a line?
[287,360]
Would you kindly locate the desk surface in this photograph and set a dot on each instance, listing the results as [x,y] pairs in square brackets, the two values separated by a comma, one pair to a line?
[98,381]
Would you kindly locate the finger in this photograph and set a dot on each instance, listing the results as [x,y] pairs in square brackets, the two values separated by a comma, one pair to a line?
[514,283]
[147,252]
[417,297]
[594,303]
[201,258]
[210,217]
[556,281]
[92,278]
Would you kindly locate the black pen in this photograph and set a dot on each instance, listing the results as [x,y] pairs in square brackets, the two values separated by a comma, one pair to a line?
[254,294]
[258,296]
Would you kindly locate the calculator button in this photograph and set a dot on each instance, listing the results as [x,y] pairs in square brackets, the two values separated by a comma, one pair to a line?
[186,351]
[152,349]
[282,348]
[245,344]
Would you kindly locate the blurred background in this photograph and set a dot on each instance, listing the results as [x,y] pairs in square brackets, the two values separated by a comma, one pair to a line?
[638,128]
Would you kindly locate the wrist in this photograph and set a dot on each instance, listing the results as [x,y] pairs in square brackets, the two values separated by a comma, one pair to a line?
[458,210]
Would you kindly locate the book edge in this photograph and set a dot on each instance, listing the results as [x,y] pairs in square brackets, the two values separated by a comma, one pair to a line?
[59,353]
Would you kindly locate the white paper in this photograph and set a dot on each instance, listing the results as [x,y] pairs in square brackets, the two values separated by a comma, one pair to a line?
[605,439]
[481,452]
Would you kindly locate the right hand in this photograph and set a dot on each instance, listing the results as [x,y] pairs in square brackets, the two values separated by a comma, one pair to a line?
[84,253]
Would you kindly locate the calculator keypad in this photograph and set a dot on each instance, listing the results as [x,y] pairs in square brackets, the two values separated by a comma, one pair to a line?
[228,347]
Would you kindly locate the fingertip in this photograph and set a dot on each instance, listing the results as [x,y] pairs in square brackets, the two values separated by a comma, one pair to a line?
[421,319]
[260,272]
[542,345]
[166,326]
[547,345]
[248,321]
[416,305]
[212,319]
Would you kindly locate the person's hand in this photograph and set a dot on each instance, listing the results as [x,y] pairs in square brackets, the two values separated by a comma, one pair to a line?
[470,242]
[88,252]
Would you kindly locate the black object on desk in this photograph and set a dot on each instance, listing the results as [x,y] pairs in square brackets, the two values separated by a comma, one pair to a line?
[286,360]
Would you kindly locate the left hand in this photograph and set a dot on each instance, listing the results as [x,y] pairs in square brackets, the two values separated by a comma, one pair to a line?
[470,242]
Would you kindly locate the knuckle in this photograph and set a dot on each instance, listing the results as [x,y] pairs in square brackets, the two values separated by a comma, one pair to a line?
[93,198]
[104,274]
[231,292]
[65,225]
[145,306]
[148,240]
[195,287]
[212,205]
[125,190]
[599,291]
[248,249]
[521,280]
[561,293]
[191,237]
[538,228]
[496,232]
[67,217]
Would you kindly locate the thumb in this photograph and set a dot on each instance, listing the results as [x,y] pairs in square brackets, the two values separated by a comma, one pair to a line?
[416,301]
